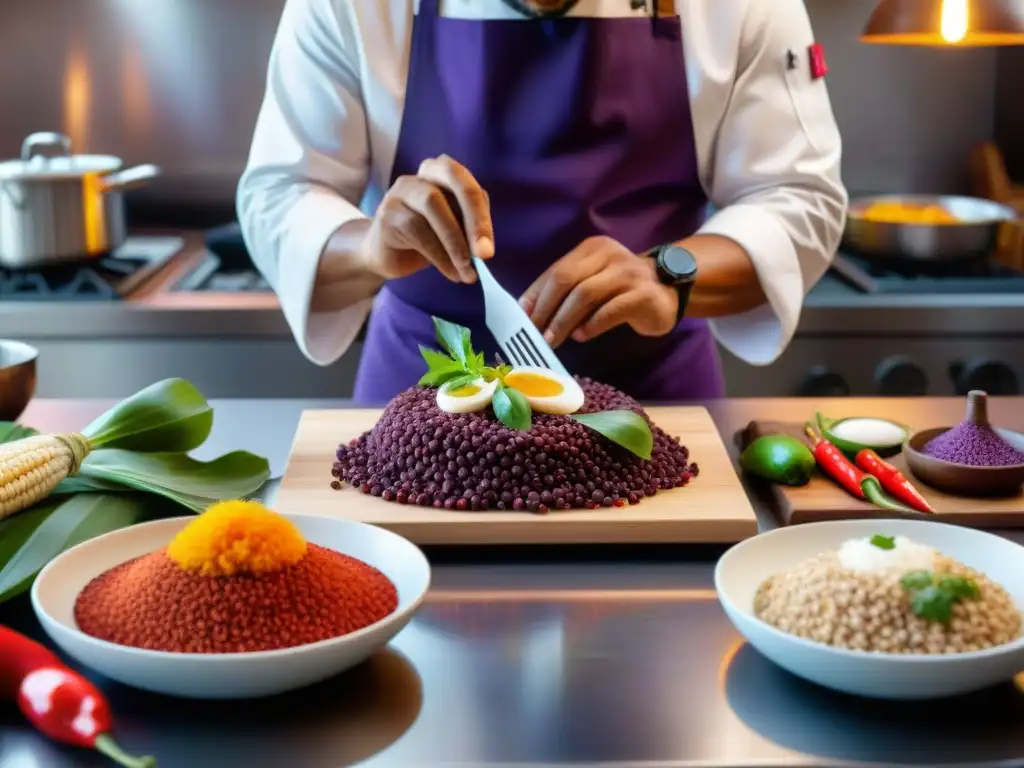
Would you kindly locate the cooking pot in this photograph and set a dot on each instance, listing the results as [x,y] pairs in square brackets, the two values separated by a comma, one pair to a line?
[972,236]
[60,207]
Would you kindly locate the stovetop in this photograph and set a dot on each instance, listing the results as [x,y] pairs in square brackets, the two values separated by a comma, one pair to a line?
[214,275]
[226,268]
[109,278]
[974,277]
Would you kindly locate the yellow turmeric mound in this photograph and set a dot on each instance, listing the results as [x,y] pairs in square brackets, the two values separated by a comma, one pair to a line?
[234,537]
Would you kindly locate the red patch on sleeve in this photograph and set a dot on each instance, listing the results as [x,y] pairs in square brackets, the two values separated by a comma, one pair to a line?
[819,67]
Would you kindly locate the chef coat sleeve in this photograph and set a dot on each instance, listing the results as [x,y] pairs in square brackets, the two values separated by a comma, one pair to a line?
[775,177]
[308,168]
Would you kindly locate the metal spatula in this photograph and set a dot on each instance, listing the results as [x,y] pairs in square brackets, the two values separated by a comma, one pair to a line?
[520,341]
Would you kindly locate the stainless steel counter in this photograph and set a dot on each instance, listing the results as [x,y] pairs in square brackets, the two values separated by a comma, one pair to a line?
[613,657]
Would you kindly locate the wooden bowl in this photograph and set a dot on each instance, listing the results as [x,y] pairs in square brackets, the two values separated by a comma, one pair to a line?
[963,479]
[17,377]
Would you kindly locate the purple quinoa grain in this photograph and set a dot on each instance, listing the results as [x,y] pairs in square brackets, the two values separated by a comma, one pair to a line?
[419,454]
[975,446]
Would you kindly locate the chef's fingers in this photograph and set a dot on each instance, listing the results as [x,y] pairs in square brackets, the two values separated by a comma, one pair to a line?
[542,299]
[586,298]
[618,311]
[437,230]
[473,202]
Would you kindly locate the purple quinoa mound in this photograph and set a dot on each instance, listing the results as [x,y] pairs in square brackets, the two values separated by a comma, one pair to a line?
[974,446]
[419,454]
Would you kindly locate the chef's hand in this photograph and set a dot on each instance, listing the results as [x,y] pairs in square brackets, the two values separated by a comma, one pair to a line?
[437,217]
[596,287]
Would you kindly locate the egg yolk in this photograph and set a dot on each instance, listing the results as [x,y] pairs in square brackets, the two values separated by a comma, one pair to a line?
[534,385]
[466,391]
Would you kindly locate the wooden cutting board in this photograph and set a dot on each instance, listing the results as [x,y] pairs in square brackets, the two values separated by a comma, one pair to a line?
[822,499]
[713,507]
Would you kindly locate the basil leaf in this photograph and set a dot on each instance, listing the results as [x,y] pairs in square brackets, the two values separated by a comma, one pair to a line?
[883,542]
[435,360]
[169,416]
[55,526]
[916,580]
[625,428]
[9,432]
[512,409]
[192,483]
[437,377]
[455,340]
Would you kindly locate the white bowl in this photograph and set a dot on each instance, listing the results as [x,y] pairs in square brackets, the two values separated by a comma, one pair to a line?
[744,567]
[227,675]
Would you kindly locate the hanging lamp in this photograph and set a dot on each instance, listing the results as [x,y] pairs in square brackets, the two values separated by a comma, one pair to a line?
[946,22]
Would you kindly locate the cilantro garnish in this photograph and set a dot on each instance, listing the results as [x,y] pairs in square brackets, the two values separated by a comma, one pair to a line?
[933,598]
[883,542]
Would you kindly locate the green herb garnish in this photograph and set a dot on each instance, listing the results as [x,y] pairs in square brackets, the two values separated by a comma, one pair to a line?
[933,598]
[913,580]
[883,542]
[959,586]
[932,603]
[459,364]
[625,428]
[512,409]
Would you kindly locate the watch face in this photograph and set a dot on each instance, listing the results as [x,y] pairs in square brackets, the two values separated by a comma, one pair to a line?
[680,263]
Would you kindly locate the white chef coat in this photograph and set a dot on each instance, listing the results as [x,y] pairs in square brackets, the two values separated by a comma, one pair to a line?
[767,145]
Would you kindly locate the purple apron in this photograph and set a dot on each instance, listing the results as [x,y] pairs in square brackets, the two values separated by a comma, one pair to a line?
[575,127]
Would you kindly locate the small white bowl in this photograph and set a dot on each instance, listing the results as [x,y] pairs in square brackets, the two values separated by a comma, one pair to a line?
[745,566]
[226,675]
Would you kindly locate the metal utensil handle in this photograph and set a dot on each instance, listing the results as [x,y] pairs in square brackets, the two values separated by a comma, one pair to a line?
[483,271]
[37,141]
[130,177]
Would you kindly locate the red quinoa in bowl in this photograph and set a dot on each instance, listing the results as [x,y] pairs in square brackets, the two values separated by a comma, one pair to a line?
[237,579]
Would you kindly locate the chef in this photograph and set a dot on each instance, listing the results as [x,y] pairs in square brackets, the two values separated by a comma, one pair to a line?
[645,180]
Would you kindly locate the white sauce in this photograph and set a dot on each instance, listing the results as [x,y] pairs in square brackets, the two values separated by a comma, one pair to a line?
[869,432]
[906,555]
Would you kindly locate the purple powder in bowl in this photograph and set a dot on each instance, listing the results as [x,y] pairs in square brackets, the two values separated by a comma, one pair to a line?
[974,446]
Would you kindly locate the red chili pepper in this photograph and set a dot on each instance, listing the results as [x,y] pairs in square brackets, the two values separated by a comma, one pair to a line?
[837,466]
[862,485]
[58,701]
[892,480]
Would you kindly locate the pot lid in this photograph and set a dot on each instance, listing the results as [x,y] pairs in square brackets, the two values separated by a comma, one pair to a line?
[48,156]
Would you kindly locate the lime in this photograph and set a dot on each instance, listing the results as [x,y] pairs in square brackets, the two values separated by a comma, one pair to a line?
[780,459]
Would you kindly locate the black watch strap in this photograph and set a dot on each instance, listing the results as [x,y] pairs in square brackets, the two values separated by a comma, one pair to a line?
[677,267]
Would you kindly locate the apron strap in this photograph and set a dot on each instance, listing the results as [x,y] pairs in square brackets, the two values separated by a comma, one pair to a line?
[430,8]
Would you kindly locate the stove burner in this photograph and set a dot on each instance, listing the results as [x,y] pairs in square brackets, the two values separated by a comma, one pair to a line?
[109,278]
[213,275]
[98,281]
[916,278]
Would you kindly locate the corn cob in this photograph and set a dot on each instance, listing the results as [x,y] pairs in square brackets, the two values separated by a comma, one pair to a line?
[32,467]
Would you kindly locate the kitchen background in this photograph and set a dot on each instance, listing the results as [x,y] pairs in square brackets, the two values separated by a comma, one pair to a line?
[178,83]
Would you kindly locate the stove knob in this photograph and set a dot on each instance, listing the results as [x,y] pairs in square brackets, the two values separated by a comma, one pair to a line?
[821,382]
[900,376]
[990,376]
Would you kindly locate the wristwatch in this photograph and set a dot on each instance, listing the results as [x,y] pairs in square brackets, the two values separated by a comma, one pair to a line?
[676,267]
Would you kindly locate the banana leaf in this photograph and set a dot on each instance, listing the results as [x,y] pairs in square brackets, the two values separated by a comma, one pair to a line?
[31,539]
[176,476]
[169,416]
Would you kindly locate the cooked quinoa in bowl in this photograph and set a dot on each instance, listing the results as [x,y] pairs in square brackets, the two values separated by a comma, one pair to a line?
[889,594]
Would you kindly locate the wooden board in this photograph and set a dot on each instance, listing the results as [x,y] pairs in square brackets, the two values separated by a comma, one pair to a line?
[713,507]
[822,499]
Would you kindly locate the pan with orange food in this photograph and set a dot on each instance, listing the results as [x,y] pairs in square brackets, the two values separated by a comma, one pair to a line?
[924,228]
